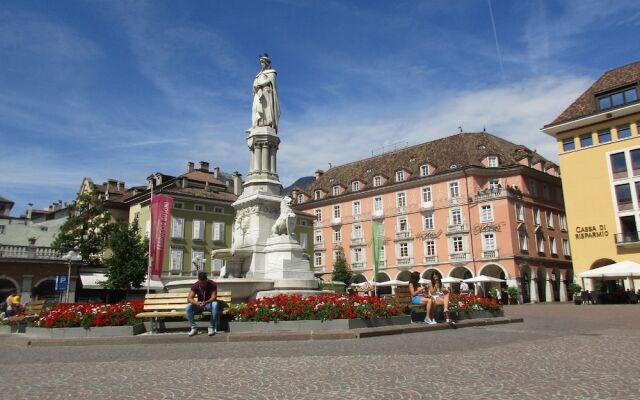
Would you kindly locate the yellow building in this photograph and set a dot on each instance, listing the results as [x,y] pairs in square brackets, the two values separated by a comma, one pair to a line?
[599,150]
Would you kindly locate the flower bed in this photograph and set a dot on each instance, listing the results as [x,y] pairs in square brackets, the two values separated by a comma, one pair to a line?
[90,315]
[464,303]
[326,306]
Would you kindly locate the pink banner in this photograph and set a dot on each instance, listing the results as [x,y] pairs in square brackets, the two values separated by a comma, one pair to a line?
[161,206]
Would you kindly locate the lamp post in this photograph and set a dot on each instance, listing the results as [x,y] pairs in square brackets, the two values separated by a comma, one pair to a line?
[70,256]
[198,262]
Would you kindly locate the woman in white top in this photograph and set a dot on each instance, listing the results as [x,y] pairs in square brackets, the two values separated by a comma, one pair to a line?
[439,296]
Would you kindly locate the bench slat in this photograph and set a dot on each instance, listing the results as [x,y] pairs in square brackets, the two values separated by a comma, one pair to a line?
[180,294]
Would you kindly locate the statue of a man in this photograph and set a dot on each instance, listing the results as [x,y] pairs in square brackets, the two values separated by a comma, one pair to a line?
[266,107]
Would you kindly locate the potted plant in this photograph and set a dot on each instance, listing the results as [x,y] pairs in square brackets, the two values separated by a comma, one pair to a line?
[575,290]
[512,293]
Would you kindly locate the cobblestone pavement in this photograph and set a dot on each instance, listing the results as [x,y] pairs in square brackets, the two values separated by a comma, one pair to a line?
[561,351]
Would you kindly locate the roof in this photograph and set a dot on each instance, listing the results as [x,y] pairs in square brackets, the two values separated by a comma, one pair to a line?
[3,200]
[585,104]
[202,176]
[460,150]
[200,193]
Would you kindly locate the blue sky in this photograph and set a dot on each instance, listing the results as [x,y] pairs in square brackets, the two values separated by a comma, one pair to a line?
[109,89]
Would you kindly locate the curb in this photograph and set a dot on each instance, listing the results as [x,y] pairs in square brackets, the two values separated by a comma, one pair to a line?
[19,339]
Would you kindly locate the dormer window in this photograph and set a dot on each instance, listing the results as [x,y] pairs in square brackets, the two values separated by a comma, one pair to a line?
[492,161]
[377,180]
[453,166]
[335,190]
[399,176]
[617,98]
[355,186]
[317,195]
[300,198]
[424,170]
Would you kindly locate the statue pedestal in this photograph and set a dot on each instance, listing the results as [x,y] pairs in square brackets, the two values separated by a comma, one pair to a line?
[285,260]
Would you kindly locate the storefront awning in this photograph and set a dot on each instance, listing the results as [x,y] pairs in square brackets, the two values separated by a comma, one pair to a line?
[90,281]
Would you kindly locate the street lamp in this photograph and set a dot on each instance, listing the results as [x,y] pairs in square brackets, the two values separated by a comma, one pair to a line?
[199,262]
[70,256]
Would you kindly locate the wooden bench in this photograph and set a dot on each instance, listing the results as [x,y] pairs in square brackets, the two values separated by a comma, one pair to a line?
[160,306]
[32,310]
[403,299]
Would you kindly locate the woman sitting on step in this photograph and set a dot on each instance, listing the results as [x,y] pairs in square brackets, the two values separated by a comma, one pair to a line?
[419,295]
[439,297]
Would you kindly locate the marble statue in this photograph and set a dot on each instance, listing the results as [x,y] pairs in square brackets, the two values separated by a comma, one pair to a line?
[286,222]
[266,107]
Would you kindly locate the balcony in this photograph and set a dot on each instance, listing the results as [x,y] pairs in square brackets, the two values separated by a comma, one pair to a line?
[401,209]
[317,224]
[431,259]
[403,235]
[628,239]
[336,221]
[489,254]
[318,246]
[358,241]
[319,269]
[426,206]
[378,214]
[453,257]
[357,266]
[453,229]
[455,200]
[382,264]
[490,194]
[31,252]
[404,263]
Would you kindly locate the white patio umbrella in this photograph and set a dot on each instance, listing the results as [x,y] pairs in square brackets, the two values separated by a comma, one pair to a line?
[483,279]
[393,282]
[451,279]
[361,284]
[620,270]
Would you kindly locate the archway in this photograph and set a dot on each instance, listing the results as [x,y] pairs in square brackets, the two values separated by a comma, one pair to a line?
[45,290]
[601,263]
[6,287]
[404,276]
[383,290]
[359,278]
[525,283]
[542,284]
[430,271]
[494,271]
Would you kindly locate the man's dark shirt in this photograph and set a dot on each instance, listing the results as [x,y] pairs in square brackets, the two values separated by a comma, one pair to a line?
[204,292]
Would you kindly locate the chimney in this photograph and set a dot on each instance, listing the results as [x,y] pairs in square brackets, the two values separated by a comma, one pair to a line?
[294,193]
[29,210]
[111,184]
[120,185]
[190,166]
[237,183]
[204,166]
[216,172]
[319,173]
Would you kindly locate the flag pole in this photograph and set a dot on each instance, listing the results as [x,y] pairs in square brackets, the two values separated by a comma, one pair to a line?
[150,236]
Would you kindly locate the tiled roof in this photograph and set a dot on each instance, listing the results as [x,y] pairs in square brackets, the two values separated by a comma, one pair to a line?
[461,150]
[202,176]
[3,200]
[200,193]
[585,105]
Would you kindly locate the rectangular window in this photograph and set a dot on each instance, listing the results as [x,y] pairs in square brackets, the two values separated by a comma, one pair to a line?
[454,190]
[429,223]
[318,237]
[536,216]
[635,161]
[357,254]
[404,250]
[316,195]
[624,131]
[337,255]
[197,261]
[565,247]
[399,176]
[402,199]
[489,241]
[382,253]
[176,260]
[522,240]
[318,259]
[604,136]
[377,204]
[533,187]
[545,192]
[403,225]
[618,165]
[586,140]
[355,186]
[335,190]
[198,230]
[302,239]
[486,213]
[318,214]
[563,222]
[623,196]
[426,194]
[198,207]
[618,98]
[357,231]
[519,212]
[356,207]
[177,228]
[424,170]
[430,247]
[376,181]
[337,235]
[300,199]
[218,231]
[569,144]
[494,184]
[492,162]
[216,266]
[540,242]
[457,244]
[549,215]
[219,210]
[178,205]
[456,216]
[552,245]
[336,211]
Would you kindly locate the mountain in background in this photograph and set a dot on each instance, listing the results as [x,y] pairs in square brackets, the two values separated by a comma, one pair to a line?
[301,183]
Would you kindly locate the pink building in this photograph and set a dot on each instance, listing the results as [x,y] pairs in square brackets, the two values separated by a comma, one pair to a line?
[465,205]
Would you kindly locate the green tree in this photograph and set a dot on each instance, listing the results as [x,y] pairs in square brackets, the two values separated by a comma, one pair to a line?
[127,266]
[341,270]
[87,229]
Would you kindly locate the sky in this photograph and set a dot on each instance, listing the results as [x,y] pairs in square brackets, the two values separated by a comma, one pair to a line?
[123,89]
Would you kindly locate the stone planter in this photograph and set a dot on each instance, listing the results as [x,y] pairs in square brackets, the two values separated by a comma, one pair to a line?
[480,314]
[96,332]
[297,326]
[20,328]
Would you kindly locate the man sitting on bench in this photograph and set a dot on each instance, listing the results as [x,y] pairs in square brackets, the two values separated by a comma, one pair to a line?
[206,291]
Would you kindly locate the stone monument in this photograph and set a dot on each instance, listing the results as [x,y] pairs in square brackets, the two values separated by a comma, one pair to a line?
[264,247]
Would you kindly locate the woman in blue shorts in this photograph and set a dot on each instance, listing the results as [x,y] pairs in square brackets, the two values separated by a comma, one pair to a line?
[419,295]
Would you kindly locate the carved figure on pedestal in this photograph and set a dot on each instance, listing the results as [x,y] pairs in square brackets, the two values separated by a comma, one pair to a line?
[286,222]
[266,107]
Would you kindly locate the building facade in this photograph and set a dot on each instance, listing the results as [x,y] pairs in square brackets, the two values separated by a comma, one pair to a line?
[599,151]
[465,205]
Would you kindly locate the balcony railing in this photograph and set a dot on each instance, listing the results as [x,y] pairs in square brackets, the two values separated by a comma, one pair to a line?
[404,235]
[490,194]
[357,241]
[378,214]
[319,269]
[357,266]
[430,259]
[31,252]
[490,254]
[318,246]
[382,264]
[453,229]
[401,209]
[459,256]
[336,221]
[405,262]
[426,205]
[628,239]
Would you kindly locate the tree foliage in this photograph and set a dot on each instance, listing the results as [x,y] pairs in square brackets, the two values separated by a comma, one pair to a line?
[87,229]
[127,266]
[341,271]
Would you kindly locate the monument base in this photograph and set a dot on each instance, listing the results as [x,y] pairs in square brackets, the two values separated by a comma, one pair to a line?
[285,259]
